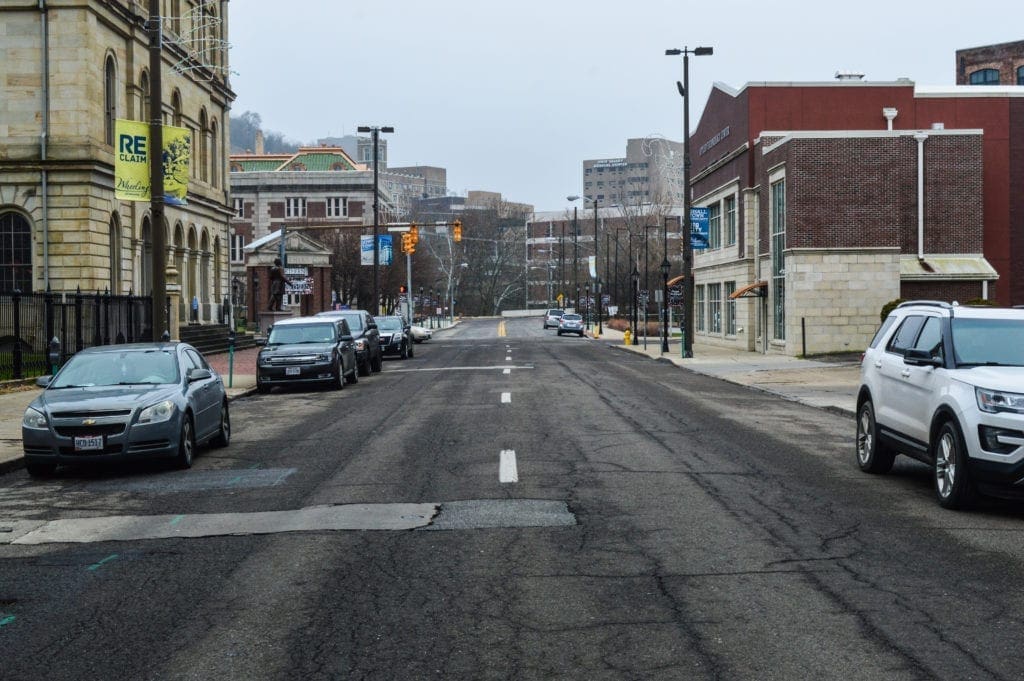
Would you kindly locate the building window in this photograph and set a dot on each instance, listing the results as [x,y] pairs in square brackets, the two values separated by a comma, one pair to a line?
[337,207]
[144,86]
[204,147]
[714,226]
[239,208]
[778,226]
[730,308]
[295,207]
[115,256]
[109,100]
[176,108]
[237,248]
[1020,75]
[15,253]
[715,308]
[698,307]
[730,220]
[214,156]
[985,77]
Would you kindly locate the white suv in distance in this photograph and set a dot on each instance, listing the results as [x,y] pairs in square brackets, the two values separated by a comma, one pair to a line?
[944,384]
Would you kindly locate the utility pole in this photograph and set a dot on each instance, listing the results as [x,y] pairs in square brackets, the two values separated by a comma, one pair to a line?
[375,140]
[156,175]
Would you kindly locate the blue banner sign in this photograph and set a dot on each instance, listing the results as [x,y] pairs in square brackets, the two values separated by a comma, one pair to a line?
[384,248]
[699,229]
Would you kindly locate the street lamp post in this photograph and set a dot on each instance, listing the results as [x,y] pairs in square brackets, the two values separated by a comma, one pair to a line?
[576,229]
[587,288]
[375,131]
[664,305]
[684,91]
[635,278]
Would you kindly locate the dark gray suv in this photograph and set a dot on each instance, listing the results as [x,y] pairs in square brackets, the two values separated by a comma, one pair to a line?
[367,338]
[307,350]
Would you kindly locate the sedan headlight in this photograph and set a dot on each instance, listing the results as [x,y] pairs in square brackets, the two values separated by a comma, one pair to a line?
[157,413]
[995,401]
[264,359]
[33,418]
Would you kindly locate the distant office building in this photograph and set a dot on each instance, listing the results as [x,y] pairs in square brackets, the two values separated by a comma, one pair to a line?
[1001,64]
[650,172]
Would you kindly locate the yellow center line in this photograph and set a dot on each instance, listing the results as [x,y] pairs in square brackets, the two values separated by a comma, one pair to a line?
[501,329]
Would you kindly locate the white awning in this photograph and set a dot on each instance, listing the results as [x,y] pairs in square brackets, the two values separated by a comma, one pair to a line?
[944,266]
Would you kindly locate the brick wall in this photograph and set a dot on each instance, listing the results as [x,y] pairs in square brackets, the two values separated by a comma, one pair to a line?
[961,291]
[1005,58]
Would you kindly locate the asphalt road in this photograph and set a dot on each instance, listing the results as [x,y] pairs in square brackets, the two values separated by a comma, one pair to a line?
[515,506]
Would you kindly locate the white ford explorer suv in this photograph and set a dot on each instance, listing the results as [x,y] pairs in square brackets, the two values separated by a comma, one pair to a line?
[944,384]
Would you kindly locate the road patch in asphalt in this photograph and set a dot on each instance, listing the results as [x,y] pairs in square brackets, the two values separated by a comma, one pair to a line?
[501,513]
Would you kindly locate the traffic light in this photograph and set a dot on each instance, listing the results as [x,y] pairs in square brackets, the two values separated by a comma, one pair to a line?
[408,245]
[414,232]
[457,230]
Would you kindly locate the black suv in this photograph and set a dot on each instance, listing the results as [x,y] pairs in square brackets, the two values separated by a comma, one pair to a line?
[307,350]
[367,338]
[395,337]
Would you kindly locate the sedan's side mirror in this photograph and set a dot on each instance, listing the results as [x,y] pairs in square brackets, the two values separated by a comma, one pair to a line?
[347,339]
[44,381]
[198,374]
[261,341]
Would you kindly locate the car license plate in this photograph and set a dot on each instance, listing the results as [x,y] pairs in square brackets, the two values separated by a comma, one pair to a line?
[292,371]
[88,443]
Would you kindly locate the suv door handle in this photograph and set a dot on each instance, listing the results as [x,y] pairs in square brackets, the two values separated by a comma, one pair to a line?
[905,373]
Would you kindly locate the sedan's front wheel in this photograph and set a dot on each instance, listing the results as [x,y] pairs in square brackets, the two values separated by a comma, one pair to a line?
[338,379]
[223,436]
[953,485]
[186,443]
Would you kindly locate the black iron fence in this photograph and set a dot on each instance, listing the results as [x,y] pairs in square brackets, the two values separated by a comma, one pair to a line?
[30,321]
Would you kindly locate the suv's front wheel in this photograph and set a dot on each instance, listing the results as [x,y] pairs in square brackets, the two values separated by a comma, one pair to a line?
[953,485]
[872,455]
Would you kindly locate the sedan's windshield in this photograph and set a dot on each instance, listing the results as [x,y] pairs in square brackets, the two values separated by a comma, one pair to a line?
[994,342]
[572,317]
[137,367]
[389,324]
[301,333]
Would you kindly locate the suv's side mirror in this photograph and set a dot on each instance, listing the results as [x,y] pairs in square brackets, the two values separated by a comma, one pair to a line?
[347,338]
[920,358]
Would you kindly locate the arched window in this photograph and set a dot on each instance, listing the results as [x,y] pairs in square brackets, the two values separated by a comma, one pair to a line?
[204,147]
[176,108]
[214,156]
[144,86]
[985,77]
[15,253]
[115,256]
[109,100]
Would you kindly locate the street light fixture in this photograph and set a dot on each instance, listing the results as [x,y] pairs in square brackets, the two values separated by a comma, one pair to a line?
[375,131]
[684,91]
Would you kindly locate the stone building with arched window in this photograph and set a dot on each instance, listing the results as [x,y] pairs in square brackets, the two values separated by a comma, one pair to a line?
[67,73]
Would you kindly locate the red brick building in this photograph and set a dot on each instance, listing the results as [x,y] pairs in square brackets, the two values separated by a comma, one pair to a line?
[830,199]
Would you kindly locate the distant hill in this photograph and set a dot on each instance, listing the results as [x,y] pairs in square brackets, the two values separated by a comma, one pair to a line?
[243,136]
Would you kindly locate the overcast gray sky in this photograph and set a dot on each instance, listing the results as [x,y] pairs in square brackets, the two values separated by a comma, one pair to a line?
[511,96]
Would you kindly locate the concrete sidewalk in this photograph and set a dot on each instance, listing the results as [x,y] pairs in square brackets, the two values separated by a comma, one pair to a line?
[829,383]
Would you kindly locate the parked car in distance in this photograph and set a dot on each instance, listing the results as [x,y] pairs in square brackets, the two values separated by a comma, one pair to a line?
[551,318]
[420,333]
[367,338]
[944,384]
[570,323]
[395,337]
[131,402]
[307,350]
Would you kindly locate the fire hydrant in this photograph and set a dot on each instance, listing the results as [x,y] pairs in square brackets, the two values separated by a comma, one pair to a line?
[627,337]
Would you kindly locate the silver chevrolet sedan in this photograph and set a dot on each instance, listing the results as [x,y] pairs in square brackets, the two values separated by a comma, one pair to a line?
[126,403]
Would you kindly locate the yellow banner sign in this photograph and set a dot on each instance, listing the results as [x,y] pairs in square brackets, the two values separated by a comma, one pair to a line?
[131,162]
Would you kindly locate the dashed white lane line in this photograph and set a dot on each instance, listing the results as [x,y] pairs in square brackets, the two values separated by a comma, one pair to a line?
[507,467]
[508,358]
[506,398]
[507,371]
